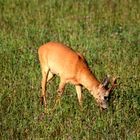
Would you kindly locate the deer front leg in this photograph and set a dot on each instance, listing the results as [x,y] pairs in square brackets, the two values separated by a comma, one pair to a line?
[79,95]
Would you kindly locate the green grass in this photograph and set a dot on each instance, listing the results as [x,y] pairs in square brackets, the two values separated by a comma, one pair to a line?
[107,33]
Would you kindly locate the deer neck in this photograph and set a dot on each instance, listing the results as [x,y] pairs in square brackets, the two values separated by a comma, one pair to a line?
[89,81]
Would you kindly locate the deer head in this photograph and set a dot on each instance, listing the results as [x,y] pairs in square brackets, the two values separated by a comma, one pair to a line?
[102,94]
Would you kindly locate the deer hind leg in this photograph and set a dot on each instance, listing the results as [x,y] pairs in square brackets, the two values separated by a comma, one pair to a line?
[60,93]
[61,87]
[50,76]
[45,74]
[79,95]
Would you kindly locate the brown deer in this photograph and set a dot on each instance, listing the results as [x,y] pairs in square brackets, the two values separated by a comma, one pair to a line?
[56,58]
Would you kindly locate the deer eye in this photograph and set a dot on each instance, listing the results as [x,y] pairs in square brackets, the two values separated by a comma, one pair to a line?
[105,98]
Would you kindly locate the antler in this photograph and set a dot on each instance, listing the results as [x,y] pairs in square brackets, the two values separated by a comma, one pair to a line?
[113,85]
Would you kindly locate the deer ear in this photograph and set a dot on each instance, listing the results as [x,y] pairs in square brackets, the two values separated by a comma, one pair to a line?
[106,81]
[113,86]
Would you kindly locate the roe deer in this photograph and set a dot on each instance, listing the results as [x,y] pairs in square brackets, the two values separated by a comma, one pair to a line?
[56,58]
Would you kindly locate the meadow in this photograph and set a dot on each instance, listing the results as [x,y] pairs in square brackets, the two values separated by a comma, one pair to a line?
[106,32]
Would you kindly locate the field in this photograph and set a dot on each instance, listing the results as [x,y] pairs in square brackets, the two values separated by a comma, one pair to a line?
[106,32]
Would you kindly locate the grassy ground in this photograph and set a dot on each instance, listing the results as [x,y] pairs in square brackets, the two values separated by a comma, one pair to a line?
[107,32]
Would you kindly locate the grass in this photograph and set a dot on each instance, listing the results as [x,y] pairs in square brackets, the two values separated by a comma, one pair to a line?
[105,32]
